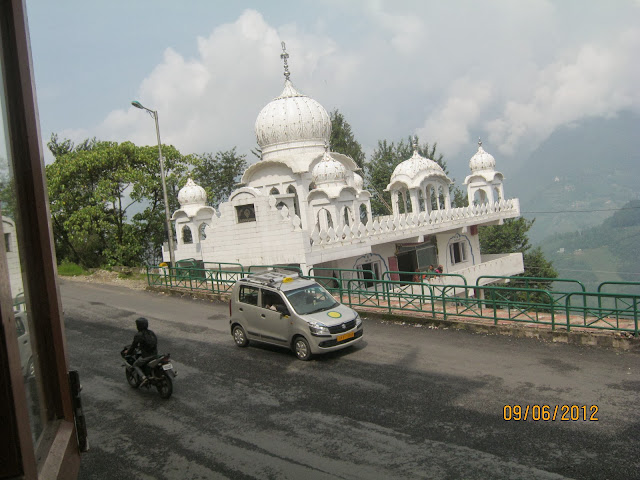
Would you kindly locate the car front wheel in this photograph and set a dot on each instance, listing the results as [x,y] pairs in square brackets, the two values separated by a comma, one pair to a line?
[302,349]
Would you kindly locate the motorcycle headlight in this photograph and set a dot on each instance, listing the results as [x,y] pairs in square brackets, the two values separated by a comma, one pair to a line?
[318,329]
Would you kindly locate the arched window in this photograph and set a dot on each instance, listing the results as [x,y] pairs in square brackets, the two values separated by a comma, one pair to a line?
[402,202]
[347,216]
[274,191]
[421,204]
[433,198]
[296,206]
[407,199]
[201,232]
[496,194]
[186,235]
[479,197]
[441,198]
[280,205]
[364,215]
[324,220]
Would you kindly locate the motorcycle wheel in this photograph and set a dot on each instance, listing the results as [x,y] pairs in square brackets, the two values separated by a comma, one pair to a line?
[165,386]
[132,378]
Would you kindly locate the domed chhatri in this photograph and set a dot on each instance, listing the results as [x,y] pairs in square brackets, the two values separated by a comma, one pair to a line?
[192,195]
[484,184]
[482,160]
[292,120]
[415,169]
[328,170]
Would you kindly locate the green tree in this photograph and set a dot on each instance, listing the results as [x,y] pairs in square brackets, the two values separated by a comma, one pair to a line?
[7,194]
[218,174]
[342,139]
[94,189]
[511,237]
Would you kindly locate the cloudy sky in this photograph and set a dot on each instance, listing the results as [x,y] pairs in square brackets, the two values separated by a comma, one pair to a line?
[450,71]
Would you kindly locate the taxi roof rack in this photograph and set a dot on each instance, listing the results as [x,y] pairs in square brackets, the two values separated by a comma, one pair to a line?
[271,277]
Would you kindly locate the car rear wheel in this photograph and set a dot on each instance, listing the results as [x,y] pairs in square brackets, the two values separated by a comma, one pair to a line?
[302,349]
[239,336]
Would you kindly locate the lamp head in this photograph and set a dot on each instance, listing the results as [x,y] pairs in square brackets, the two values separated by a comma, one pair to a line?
[137,104]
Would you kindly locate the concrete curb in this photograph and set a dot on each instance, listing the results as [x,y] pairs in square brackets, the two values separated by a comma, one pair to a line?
[613,340]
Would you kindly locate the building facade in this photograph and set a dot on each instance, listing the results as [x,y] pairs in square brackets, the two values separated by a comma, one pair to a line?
[303,205]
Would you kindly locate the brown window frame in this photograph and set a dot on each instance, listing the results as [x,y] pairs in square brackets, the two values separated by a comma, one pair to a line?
[57,455]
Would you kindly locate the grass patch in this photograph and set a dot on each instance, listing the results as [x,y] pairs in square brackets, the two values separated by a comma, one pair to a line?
[129,275]
[70,269]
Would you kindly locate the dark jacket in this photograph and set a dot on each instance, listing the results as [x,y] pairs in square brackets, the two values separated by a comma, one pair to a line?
[147,342]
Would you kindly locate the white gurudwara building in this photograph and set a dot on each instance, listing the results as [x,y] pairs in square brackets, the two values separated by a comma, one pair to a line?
[303,205]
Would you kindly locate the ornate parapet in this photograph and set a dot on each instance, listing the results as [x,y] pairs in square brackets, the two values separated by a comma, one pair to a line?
[389,228]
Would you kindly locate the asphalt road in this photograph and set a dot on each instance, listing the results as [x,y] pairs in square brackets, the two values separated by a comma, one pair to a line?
[408,402]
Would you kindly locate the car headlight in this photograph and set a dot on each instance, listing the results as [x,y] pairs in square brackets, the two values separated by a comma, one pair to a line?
[358,320]
[318,329]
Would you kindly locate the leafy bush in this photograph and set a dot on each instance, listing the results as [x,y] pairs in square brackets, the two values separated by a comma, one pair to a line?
[70,269]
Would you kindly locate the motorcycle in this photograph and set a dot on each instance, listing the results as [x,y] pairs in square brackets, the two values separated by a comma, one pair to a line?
[159,371]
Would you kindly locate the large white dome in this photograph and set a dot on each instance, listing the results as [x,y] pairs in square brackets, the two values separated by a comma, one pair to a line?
[292,120]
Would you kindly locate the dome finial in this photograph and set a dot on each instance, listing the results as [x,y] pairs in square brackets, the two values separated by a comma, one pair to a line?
[415,144]
[479,142]
[284,55]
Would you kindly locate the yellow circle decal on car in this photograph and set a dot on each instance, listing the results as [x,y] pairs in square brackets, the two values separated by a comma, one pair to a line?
[334,314]
[287,280]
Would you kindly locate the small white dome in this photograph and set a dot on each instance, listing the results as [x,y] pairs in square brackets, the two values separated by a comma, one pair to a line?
[192,194]
[328,170]
[482,160]
[292,120]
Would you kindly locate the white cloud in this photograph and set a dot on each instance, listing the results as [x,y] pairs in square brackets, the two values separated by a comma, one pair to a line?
[598,81]
[510,73]
[450,123]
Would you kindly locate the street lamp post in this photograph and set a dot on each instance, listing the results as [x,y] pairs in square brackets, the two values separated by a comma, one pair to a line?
[154,114]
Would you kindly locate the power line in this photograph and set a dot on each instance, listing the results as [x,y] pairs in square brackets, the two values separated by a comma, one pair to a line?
[588,211]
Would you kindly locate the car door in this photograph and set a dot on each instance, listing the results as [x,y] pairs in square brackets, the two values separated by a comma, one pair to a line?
[248,310]
[274,326]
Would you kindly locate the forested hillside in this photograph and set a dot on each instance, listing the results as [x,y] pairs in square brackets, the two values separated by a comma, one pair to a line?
[579,175]
[607,252]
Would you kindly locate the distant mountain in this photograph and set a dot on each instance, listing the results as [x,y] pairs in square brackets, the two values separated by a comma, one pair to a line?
[607,252]
[593,165]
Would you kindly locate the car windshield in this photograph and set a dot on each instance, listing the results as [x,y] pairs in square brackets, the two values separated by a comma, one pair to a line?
[310,299]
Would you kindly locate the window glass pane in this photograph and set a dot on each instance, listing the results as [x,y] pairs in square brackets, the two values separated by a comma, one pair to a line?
[11,227]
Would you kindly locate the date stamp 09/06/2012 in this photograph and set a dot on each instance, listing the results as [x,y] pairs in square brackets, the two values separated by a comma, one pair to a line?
[550,413]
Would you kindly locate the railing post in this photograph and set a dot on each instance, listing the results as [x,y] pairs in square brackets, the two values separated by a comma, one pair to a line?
[553,310]
[635,315]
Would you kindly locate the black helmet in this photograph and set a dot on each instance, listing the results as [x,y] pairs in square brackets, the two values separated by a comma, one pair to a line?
[142,323]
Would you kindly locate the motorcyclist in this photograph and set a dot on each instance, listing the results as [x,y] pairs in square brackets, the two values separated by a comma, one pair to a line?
[146,340]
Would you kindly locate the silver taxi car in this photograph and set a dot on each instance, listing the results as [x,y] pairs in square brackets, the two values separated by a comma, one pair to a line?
[282,308]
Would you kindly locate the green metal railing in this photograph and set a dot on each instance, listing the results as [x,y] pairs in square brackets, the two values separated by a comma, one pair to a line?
[215,281]
[430,275]
[614,312]
[514,302]
[445,301]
